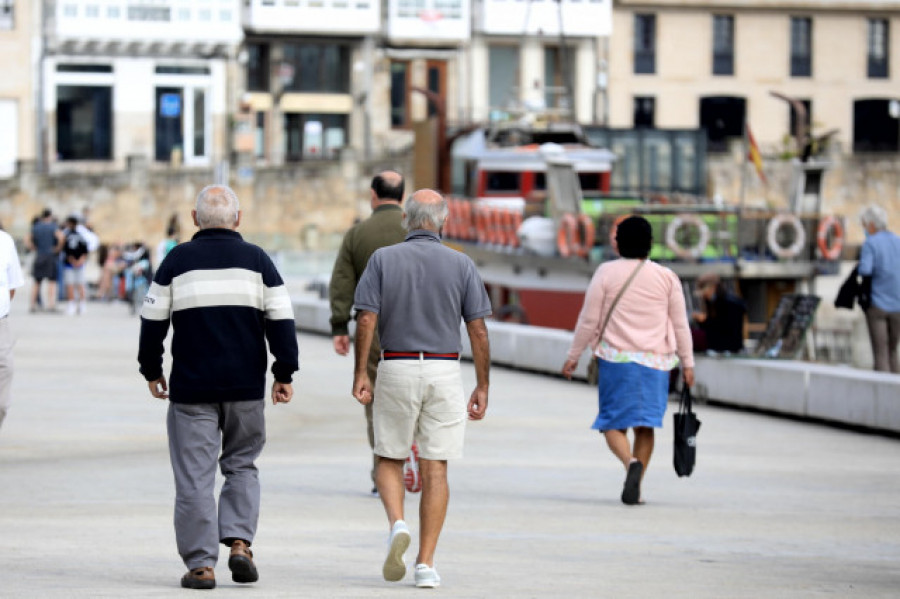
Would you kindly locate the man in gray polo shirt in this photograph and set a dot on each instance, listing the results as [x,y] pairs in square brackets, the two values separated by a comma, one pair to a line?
[418,291]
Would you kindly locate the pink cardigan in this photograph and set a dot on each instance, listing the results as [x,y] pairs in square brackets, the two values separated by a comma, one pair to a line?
[650,316]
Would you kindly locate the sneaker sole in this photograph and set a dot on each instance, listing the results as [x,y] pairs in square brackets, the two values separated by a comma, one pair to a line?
[428,584]
[242,570]
[394,569]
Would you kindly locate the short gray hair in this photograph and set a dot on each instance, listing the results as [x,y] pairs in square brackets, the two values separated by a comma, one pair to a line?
[420,215]
[217,207]
[874,215]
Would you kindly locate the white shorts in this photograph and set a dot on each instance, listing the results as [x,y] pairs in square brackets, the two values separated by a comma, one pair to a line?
[73,275]
[419,400]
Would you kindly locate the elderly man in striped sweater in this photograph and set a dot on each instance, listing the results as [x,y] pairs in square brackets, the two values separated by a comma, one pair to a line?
[225,300]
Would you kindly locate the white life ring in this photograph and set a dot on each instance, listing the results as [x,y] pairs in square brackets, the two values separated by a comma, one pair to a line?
[775,224]
[687,220]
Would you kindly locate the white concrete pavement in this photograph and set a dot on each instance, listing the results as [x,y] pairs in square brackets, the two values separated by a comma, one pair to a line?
[775,508]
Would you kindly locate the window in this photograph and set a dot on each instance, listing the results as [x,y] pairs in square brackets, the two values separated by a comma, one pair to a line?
[644,112]
[723,118]
[7,14]
[879,47]
[399,94]
[876,125]
[258,67]
[318,68]
[259,142]
[501,182]
[84,122]
[112,12]
[92,11]
[83,68]
[723,45]
[149,13]
[801,47]
[645,44]
[181,70]
[503,76]
[314,136]
[559,65]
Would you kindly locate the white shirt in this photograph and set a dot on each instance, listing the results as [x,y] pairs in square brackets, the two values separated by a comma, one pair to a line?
[10,271]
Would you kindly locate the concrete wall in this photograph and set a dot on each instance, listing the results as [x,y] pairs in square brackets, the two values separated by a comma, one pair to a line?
[840,394]
[303,206]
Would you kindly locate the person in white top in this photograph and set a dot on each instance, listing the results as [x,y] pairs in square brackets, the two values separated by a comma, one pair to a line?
[10,279]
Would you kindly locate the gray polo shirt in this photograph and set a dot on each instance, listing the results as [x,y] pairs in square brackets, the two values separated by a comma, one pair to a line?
[420,289]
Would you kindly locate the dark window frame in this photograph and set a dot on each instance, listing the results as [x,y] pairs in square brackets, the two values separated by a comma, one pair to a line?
[878,67]
[723,45]
[644,44]
[7,15]
[400,117]
[318,68]
[258,67]
[801,47]
[77,138]
[640,120]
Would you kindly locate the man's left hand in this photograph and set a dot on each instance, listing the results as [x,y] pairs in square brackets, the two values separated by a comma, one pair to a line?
[281,393]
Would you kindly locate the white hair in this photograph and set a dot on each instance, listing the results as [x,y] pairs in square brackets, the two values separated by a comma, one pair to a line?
[874,215]
[421,215]
[217,207]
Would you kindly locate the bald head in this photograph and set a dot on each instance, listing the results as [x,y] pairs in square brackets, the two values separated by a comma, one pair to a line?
[217,208]
[387,186]
[425,209]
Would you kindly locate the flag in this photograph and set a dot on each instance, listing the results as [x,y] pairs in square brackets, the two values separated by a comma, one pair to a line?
[753,154]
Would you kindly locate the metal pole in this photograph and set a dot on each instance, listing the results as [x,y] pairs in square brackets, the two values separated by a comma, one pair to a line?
[42,7]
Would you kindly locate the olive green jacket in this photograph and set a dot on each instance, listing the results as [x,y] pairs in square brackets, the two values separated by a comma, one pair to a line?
[380,229]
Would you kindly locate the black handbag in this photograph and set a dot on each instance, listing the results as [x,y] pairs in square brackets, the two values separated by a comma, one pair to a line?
[686,427]
[853,291]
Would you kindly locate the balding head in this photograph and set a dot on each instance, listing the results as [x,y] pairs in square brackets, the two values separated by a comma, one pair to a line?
[387,186]
[217,208]
[425,209]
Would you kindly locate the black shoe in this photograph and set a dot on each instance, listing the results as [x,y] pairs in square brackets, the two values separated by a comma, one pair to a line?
[631,494]
[199,578]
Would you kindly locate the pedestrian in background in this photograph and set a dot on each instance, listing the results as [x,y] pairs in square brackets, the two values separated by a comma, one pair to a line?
[381,229]
[418,291]
[46,240]
[10,279]
[636,342]
[225,300]
[75,255]
[722,316]
[880,259]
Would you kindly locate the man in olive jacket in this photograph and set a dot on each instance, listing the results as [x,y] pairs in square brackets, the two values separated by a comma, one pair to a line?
[381,229]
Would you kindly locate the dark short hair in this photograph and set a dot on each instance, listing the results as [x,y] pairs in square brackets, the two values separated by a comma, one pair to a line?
[634,237]
[387,191]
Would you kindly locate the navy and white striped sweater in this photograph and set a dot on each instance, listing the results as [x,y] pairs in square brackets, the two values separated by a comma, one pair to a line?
[225,299]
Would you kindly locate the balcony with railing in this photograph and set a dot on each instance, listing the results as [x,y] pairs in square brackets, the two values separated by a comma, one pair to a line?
[155,25]
[349,17]
[579,18]
[429,21]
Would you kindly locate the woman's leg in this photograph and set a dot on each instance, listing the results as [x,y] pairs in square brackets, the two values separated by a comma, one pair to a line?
[617,440]
[644,439]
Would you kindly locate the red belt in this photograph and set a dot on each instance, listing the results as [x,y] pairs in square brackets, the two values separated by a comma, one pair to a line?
[417,355]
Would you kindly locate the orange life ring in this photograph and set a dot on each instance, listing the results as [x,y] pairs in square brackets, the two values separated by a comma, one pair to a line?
[450,223]
[832,225]
[614,228]
[575,236]
[481,224]
[465,223]
[514,228]
[495,226]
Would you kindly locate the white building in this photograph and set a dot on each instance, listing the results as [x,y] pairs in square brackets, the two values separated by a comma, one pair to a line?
[138,78]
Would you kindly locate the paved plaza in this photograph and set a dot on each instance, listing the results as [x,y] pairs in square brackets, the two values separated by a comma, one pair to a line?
[775,508]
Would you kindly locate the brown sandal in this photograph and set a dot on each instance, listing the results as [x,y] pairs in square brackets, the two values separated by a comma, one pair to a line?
[199,578]
[240,562]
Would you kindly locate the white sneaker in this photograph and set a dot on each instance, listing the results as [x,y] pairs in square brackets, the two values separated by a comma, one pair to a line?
[394,568]
[427,578]
[70,309]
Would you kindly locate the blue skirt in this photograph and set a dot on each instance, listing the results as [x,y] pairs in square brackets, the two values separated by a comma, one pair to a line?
[630,395]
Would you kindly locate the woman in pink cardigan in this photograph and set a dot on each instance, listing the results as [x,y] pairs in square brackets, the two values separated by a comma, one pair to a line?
[646,335]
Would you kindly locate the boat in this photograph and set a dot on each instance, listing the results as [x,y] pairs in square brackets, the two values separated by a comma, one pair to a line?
[537,216]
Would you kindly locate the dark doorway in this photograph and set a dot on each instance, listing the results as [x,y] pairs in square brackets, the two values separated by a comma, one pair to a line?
[644,112]
[875,129]
[723,118]
[169,116]
[83,122]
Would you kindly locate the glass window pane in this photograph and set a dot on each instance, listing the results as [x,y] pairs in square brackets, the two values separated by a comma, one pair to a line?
[199,122]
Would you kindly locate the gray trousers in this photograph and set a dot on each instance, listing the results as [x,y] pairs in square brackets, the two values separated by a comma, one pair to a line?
[884,333]
[6,366]
[196,434]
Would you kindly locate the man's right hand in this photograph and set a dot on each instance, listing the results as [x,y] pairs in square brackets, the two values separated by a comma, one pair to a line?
[341,344]
[362,389]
